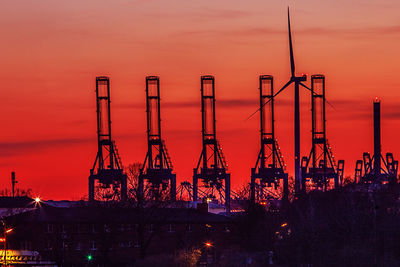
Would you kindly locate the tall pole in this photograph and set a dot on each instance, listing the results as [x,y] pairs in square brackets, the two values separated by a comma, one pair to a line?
[13,182]
[377,138]
[298,184]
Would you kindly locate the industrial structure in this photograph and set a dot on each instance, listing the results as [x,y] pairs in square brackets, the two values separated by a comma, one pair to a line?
[376,170]
[13,183]
[297,80]
[318,173]
[270,167]
[107,172]
[320,167]
[211,170]
[156,172]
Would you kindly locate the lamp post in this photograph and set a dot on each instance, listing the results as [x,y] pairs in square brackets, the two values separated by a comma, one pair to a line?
[208,247]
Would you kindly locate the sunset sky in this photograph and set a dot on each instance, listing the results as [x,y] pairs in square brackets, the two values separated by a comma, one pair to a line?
[53,50]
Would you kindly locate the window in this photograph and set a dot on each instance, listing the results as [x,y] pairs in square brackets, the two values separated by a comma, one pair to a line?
[26,245]
[79,228]
[107,228]
[49,245]
[171,228]
[93,245]
[49,228]
[63,228]
[64,245]
[93,228]
[151,229]
[78,246]
[188,227]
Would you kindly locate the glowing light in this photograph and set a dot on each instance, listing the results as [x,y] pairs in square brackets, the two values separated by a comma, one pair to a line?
[8,230]
[208,244]
[2,239]
[37,199]
[89,257]
[284,224]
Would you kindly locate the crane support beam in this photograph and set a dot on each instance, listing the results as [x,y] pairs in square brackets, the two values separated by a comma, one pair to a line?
[211,171]
[107,169]
[269,170]
[156,172]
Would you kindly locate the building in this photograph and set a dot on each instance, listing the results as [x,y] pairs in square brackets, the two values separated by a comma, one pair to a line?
[14,205]
[116,236]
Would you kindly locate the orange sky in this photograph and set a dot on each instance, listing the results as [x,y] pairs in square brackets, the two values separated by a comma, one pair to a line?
[52,51]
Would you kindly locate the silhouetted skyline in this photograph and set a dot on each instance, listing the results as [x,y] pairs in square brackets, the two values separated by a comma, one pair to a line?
[53,52]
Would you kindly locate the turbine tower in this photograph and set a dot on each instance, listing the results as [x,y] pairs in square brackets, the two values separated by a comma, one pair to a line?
[297,80]
[299,182]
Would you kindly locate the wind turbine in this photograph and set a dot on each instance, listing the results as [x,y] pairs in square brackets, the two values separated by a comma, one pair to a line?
[297,80]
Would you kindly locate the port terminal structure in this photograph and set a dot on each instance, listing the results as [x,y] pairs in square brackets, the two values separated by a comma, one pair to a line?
[320,170]
[268,175]
[376,170]
[107,179]
[156,174]
[211,173]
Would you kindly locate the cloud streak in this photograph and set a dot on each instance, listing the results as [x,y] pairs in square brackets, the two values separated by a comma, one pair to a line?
[265,31]
[222,103]
[16,148]
[362,109]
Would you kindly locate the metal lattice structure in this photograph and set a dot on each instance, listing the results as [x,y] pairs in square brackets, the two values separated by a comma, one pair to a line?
[320,167]
[269,170]
[376,169]
[107,169]
[157,166]
[211,171]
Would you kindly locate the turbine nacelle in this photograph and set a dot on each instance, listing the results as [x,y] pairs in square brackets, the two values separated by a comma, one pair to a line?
[302,78]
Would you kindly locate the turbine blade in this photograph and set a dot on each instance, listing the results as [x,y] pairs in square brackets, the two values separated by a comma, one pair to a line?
[292,66]
[308,88]
[283,88]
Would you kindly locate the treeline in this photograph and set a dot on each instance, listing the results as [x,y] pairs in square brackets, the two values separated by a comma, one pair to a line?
[350,226]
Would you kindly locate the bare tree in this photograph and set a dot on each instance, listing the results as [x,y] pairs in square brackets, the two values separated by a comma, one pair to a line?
[147,208]
[18,192]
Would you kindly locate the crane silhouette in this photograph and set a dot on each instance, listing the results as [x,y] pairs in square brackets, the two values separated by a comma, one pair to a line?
[297,81]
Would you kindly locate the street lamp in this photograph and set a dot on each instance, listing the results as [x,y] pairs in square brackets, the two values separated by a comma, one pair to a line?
[209,248]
